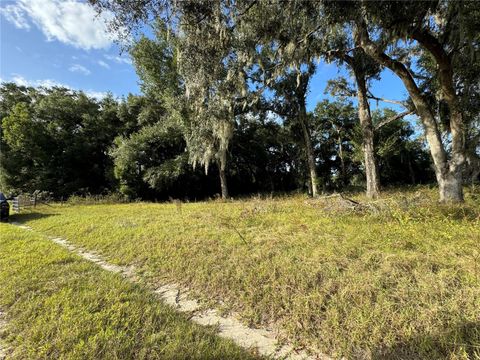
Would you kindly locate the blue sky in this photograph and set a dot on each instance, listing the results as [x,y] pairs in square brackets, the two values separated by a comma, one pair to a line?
[388,87]
[51,42]
[63,42]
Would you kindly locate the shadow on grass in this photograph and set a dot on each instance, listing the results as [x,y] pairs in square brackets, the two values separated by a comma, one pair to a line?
[463,341]
[464,212]
[29,216]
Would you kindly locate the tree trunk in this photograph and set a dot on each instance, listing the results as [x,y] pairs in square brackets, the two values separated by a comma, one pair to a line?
[449,176]
[367,131]
[473,167]
[411,171]
[223,184]
[312,166]
[223,177]
[452,179]
[309,186]
[342,161]
[451,188]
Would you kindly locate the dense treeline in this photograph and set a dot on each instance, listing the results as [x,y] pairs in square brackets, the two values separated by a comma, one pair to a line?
[64,142]
[230,53]
[224,106]
[56,140]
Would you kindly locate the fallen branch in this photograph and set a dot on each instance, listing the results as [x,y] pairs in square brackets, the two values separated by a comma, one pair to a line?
[350,200]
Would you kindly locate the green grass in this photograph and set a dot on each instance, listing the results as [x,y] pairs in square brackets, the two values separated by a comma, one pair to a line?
[61,307]
[400,279]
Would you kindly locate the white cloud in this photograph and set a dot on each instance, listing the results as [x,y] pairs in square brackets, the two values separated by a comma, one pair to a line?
[104,64]
[49,83]
[119,59]
[21,81]
[69,21]
[99,95]
[16,15]
[80,69]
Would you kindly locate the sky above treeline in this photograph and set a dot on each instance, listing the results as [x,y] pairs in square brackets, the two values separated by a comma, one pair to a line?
[65,43]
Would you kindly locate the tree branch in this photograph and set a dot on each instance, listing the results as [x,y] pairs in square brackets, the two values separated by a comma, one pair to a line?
[392,119]
[342,54]
[248,8]
[397,102]
[433,45]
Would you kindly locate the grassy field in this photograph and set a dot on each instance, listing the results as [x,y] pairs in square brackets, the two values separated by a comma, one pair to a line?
[61,307]
[399,278]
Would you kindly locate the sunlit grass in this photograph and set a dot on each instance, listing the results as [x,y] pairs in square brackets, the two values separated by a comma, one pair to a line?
[61,307]
[399,278]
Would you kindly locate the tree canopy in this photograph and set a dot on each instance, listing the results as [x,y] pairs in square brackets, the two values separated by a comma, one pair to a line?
[224,86]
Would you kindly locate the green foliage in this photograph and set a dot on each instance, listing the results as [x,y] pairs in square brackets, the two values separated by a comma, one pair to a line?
[156,64]
[266,158]
[334,125]
[207,66]
[62,142]
[56,140]
[18,128]
[396,278]
[229,52]
[152,158]
[22,140]
[401,158]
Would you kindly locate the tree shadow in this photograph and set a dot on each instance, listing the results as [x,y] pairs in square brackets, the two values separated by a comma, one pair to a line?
[460,212]
[29,216]
[463,341]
